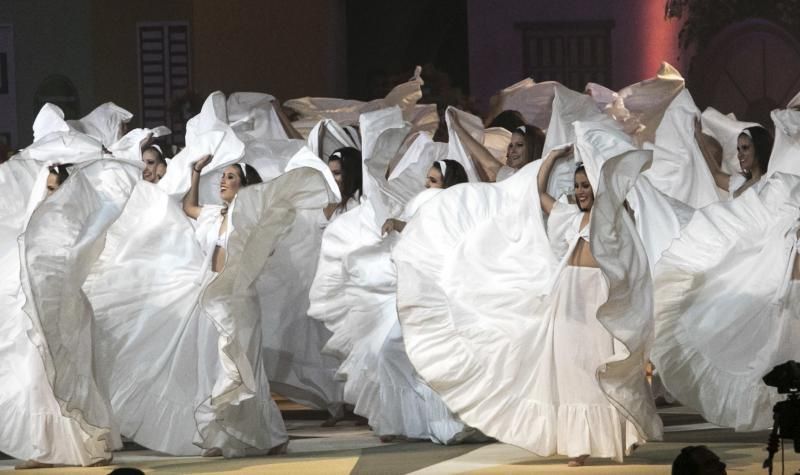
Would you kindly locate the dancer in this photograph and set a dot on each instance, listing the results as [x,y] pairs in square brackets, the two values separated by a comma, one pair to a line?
[568,378]
[727,293]
[155,166]
[524,147]
[354,295]
[57,219]
[201,323]
[753,146]
[345,165]
[442,174]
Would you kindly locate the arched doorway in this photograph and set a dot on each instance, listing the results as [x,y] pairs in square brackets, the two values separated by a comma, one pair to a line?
[749,68]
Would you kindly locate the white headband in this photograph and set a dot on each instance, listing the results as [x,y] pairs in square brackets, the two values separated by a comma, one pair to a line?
[243,167]
[155,146]
[747,133]
[442,166]
[522,129]
[336,154]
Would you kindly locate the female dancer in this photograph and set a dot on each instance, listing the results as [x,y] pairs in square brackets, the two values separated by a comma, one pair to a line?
[345,165]
[728,292]
[354,294]
[541,342]
[525,146]
[203,387]
[753,147]
[442,174]
[56,413]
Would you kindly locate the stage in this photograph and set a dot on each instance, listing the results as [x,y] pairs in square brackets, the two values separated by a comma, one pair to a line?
[348,448]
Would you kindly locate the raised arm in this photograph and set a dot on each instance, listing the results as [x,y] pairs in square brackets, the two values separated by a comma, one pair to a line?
[191,203]
[712,157]
[545,199]
[392,224]
[291,132]
[477,152]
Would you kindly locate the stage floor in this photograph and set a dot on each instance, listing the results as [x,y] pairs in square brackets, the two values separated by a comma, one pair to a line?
[348,448]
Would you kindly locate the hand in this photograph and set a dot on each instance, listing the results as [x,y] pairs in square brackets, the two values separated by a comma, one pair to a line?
[146,141]
[563,152]
[200,164]
[557,153]
[388,226]
[454,118]
[392,224]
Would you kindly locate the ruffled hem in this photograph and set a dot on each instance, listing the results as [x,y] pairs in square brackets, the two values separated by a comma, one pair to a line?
[597,430]
[58,439]
[214,426]
[54,262]
[153,421]
[259,216]
[444,426]
[740,244]
[742,401]
[390,410]
[413,413]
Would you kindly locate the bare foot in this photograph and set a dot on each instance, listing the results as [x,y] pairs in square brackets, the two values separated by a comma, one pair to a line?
[29,464]
[279,449]
[212,452]
[578,461]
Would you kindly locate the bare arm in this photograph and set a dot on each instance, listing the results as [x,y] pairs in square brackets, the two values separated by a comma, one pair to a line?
[547,202]
[392,224]
[721,178]
[329,210]
[291,132]
[477,152]
[191,204]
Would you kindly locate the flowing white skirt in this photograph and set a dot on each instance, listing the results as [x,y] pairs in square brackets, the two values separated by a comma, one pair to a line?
[577,417]
[181,376]
[355,294]
[726,307]
[33,426]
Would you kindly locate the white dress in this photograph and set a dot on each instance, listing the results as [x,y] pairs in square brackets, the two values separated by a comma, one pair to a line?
[55,412]
[203,383]
[575,346]
[292,341]
[504,172]
[485,299]
[354,294]
[726,307]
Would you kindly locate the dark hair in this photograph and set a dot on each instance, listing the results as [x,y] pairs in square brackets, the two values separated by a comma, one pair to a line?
[252,176]
[762,145]
[686,463]
[350,159]
[580,169]
[60,171]
[455,173]
[159,155]
[126,471]
[534,141]
[508,119]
